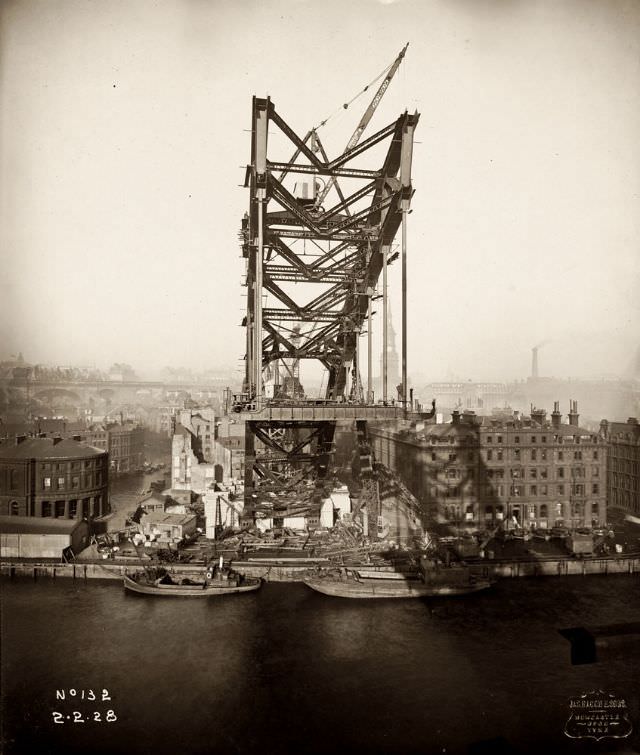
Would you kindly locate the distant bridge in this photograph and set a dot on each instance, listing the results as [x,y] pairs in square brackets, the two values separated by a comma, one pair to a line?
[127,391]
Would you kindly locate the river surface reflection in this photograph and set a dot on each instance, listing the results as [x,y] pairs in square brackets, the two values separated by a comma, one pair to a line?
[286,670]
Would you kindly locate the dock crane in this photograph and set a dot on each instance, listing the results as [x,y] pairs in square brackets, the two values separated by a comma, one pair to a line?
[364,121]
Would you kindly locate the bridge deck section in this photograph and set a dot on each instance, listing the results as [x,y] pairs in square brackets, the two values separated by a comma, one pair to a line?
[331,413]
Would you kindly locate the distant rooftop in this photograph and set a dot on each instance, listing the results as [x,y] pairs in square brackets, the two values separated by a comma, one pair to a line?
[160,517]
[48,448]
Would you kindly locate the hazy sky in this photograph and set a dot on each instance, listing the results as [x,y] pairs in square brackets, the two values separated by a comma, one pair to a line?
[125,132]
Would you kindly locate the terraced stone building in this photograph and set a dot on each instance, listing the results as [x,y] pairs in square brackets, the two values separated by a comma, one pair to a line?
[623,464]
[477,473]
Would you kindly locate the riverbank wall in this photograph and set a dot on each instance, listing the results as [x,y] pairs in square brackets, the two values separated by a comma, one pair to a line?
[283,571]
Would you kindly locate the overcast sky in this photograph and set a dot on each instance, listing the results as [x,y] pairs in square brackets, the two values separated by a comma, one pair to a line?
[124,136]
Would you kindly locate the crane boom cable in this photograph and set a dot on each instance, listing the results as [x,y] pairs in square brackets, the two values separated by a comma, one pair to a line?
[342,107]
[353,99]
[388,74]
[359,94]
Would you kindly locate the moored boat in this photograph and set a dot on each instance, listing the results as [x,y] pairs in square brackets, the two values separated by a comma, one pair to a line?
[217,581]
[430,582]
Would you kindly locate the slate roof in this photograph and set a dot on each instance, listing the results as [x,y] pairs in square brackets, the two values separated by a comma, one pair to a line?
[45,448]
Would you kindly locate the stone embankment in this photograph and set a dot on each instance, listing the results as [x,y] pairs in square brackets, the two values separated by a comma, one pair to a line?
[294,570]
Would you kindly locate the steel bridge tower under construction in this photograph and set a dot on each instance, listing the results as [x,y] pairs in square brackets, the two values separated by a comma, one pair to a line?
[332,256]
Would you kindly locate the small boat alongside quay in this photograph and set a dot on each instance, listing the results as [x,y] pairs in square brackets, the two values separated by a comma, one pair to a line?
[215,582]
[367,584]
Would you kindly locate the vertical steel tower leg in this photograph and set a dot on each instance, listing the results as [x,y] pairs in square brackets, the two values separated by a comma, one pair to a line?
[385,324]
[404,308]
[369,355]
[258,301]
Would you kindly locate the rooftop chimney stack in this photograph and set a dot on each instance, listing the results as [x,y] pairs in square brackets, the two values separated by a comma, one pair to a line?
[534,363]
[455,417]
[538,415]
[573,413]
[556,417]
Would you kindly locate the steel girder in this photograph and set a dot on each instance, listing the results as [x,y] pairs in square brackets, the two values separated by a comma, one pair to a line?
[288,469]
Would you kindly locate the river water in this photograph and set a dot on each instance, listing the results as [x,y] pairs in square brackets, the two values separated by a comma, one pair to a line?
[287,670]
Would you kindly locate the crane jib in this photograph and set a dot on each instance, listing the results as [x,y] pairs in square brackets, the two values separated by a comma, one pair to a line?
[364,122]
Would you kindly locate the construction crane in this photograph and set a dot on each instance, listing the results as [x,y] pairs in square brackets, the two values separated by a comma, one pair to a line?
[364,121]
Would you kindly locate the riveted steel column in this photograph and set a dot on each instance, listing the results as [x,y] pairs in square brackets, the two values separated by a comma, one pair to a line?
[385,324]
[404,307]
[369,362]
[405,202]
[258,299]
[261,110]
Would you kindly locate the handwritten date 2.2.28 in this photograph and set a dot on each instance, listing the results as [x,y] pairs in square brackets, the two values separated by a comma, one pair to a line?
[80,717]
[83,716]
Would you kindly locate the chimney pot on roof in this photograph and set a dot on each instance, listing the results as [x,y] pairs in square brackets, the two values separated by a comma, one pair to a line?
[538,415]
[455,417]
[20,439]
[56,440]
[573,413]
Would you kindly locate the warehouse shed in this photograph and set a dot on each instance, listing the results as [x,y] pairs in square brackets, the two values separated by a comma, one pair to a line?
[32,537]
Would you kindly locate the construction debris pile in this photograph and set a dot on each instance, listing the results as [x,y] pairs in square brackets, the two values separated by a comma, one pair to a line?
[385,519]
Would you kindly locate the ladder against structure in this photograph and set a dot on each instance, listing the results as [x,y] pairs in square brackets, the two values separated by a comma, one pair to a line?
[312,274]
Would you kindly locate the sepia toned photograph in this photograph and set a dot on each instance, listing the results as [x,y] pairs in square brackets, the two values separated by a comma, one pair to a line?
[319,377]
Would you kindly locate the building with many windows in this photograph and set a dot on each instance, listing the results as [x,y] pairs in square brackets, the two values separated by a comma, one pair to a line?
[126,447]
[53,477]
[623,464]
[123,440]
[516,472]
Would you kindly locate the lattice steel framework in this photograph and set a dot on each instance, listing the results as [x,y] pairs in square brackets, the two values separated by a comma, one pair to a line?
[291,245]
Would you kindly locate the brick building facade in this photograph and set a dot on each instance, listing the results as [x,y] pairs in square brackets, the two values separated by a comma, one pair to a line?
[623,464]
[126,447]
[124,441]
[517,472]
